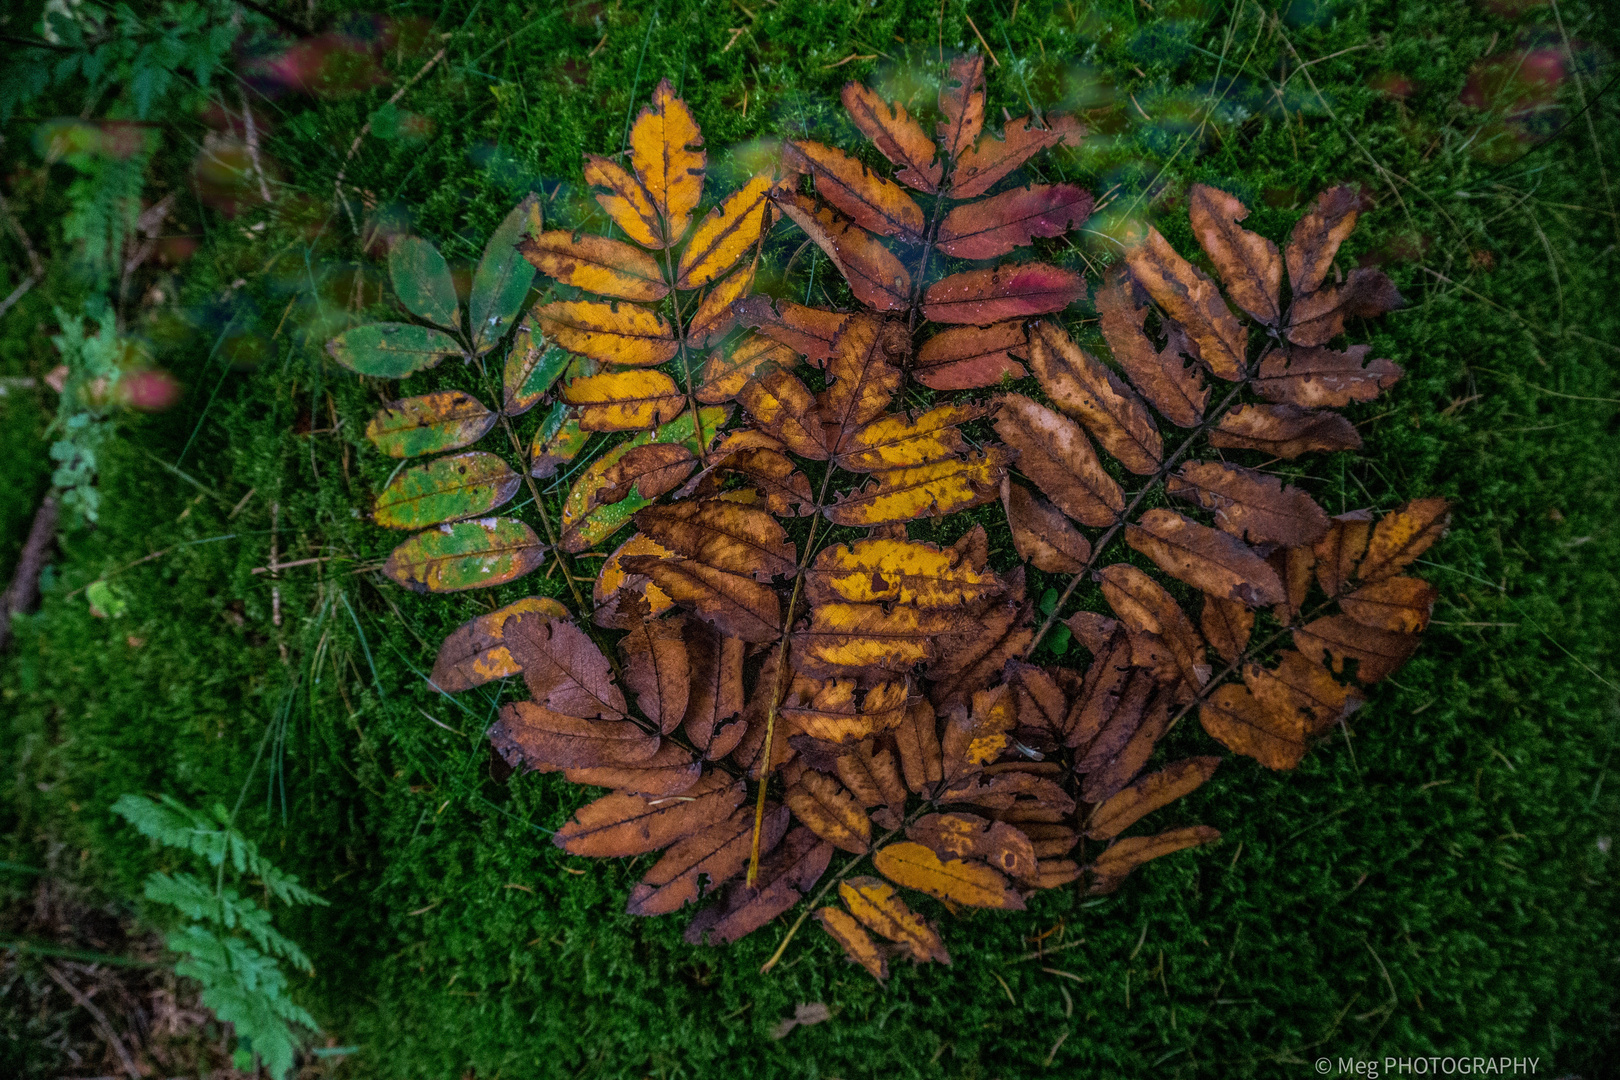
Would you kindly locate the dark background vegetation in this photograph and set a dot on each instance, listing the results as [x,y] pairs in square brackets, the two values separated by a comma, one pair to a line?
[1436,880]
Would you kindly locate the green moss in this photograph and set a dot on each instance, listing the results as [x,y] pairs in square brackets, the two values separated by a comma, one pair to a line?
[1437,880]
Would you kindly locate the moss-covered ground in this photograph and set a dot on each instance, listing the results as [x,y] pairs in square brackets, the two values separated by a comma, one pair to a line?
[1438,880]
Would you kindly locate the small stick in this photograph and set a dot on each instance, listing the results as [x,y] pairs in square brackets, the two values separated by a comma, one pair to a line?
[337,185]
[23,593]
[275,590]
[100,1019]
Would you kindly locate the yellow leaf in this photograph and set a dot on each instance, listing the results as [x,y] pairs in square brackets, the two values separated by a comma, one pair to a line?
[625,201]
[897,441]
[624,400]
[725,234]
[596,264]
[876,905]
[925,491]
[663,150]
[714,315]
[620,334]
[858,944]
[971,884]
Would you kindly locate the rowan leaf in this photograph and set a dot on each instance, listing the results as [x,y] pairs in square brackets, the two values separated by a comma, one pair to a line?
[1148,794]
[1082,387]
[1250,265]
[625,201]
[1318,318]
[965,357]
[1144,606]
[596,264]
[873,777]
[968,836]
[501,282]
[785,875]
[1398,604]
[1284,431]
[996,226]
[1127,718]
[975,737]
[896,135]
[783,407]
[1341,549]
[611,333]
[808,331]
[917,739]
[841,713]
[1041,534]
[461,486]
[563,668]
[1041,705]
[528,735]
[1208,560]
[613,581]
[1009,291]
[1110,774]
[728,369]
[1402,536]
[857,944]
[671,771]
[1377,653]
[715,316]
[1188,296]
[392,350]
[878,907]
[725,234]
[773,474]
[422,281]
[896,441]
[624,400]
[1100,691]
[1016,794]
[982,166]
[875,275]
[657,671]
[532,365]
[830,812]
[875,204]
[1238,720]
[1054,452]
[649,471]
[1227,626]
[934,490]
[862,376]
[971,884]
[1251,505]
[961,101]
[430,424]
[664,152]
[475,652]
[1110,868]
[718,853]
[724,535]
[1301,689]
[735,604]
[1313,378]
[620,825]
[466,555]
[1317,236]
[1175,389]
[558,441]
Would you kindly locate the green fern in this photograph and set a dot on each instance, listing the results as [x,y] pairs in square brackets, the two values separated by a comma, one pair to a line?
[227,942]
[83,423]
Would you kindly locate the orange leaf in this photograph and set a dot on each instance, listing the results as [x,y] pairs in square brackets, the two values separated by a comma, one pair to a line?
[725,234]
[619,333]
[1187,295]
[1285,431]
[596,264]
[875,204]
[625,201]
[983,165]
[1248,263]
[878,279]
[961,100]
[1054,452]
[663,150]
[1085,389]
[964,357]
[896,135]
[874,902]
[1175,389]
[957,880]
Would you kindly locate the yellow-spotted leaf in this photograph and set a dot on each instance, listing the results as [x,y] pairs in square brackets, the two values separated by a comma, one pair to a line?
[459,486]
[624,400]
[476,653]
[972,884]
[925,491]
[664,149]
[466,555]
[430,424]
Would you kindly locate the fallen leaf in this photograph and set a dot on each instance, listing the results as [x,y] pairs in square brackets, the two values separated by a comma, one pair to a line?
[876,277]
[964,357]
[1056,454]
[430,424]
[1082,387]
[1111,867]
[896,135]
[1251,505]
[563,668]
[856,942]
[1210,561]
[808,331]
[736,605]
[1284,431]
[971,884]
[620,825]
[961,103]
[1378,653]
[626,201]
[968,836]
[871,202]
[1148,794]
[725,234]
[724,535]
[1400,537]
[877,906]
[1249,264]
[717,853]
[656,670]
[611,333]
[1188,296]
[982,166]
[624,400]
[596,264]
[997,226]
[466,555]
[649,470]
[1317,236]
[1227,625]
[1314,378]
[785,875]
[1041,534]
[475,652]
[1175,389]
[1009,291]
[830,812]
[663,150]
[460,486]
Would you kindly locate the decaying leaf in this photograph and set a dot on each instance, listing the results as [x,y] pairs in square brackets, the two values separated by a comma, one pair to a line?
[830,812]
[964,357]
[461,486]
[856,942]
[466,555]
[1112,866]
[1207,559]
[430,424]
[972,884]
[717,854]
[879,908]
[1251,505]
[619,825]
[1041,533]
[968,836]
[1054,452]
[1249,264]
[1188,296]
[790,871]
[1170,386]
[563,667]
[1284,431]
[1088,391]
[476,653]
[1146,795]
[656,669]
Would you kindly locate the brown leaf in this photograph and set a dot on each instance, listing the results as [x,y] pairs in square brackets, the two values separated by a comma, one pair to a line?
[663,151]
[835,716]
[724,535]
[596,264]
[1092,629]
[974,738]
[1148,794]
[1040,532]
[1284,431]
[1188,296]
[971,657]
[1317,236]
[896,135]
[872,777]
[625,201]
[1050,840]
[808,331]
[725,234]
[784,407]
[656,670]
[1338,552]
[1113,865]
[1144,605]
[1055,873]
[1293,566]
[1082,387]
[1251,505]
[1227,625]
[857,943]
[830,812]
[563,667]
[1099,693]
[528,734]
[736,605]
[981,166]
[1400,537]
[773,474]
[872,202]
[671,771]
[972,884]
[967,836]
[961,101]
[862,376]
[785,875]
[965,357]
[1109,776]
[1205,558]
[1319,317]
[728,368]
[610,333]
[649,470]
[1399,604]
[619,825]
[1241,723]
[934,490]
[993,227]
[1055,453]
[1006,793]
[1009,291]
[716,690]
[1249,264]
[1123,724]
[875,275]
[717,853]
[1314,378]
[917,739]
[1175,389]
[1378,653]
[625,400]
[715,314]
[1298,689]
[475,652]
[613,584]
[875,903]
[1039,702]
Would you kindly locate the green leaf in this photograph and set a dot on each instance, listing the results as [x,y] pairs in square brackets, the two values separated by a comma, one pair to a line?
[391,350]
[531,367]
[463,486]
[1058,640]
[422,281]
[502,280]
[466,555]
[559,441]
[429,424]
[246,988]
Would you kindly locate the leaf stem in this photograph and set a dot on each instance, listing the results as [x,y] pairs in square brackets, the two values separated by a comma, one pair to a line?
[545,518]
